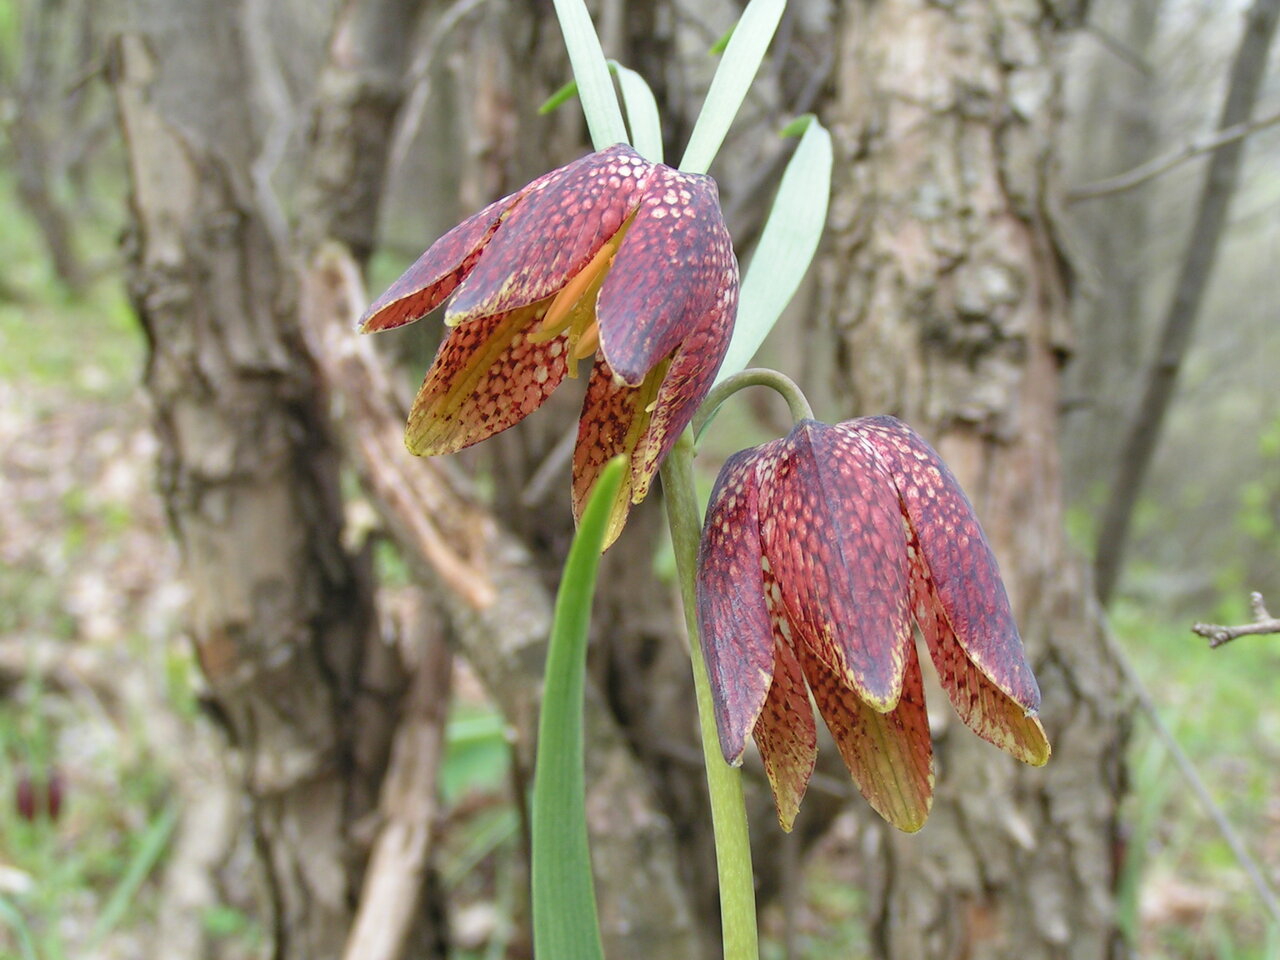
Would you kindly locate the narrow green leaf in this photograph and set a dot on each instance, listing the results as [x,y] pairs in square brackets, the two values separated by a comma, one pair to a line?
[564,902]
[150,848]
[559,98]
[595,87]
[717,48]
[642,112]
[798,126]
[12,917]
[786,248]
[729,86]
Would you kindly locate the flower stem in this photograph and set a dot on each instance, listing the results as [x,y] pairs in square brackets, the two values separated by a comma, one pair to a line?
[724,783]
[780,383]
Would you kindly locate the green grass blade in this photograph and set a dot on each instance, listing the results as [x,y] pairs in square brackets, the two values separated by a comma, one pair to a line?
[564,902]
[595,87]
[737,69]
[150,848]
[642,112]
[717,48]
[559,98]
[786,248]
[12,918]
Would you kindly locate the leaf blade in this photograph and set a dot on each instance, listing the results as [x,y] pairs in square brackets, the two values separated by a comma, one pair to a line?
[565,923]
[786,248]
[742,56]
[642,112]
[595,87]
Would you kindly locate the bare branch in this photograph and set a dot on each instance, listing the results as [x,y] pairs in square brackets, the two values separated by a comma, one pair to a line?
[1197,147]
[1263,622]
[1119,49]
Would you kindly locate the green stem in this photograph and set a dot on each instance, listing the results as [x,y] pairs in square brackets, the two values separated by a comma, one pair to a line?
[780,383]
[728,812]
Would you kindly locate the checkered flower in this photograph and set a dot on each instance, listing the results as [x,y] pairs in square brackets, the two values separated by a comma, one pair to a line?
[612,261]
[819,551]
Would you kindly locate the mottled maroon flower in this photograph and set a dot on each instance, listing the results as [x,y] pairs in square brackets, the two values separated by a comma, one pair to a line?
[819,551]
[610,254]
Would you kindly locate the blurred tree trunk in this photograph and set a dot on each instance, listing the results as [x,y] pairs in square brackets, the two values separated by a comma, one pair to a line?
[282,612]
[1117,130]
[1142,432]
[947,297]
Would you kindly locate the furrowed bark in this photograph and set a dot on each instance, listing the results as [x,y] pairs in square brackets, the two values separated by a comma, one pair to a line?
[282,615]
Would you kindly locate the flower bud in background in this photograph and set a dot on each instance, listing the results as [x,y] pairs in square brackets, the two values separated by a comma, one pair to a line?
[36,797]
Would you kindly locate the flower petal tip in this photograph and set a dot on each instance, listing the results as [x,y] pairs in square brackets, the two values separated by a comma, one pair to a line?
[1038,750]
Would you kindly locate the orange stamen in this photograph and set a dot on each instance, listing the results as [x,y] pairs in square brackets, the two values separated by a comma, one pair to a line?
[558,314]
[588,342]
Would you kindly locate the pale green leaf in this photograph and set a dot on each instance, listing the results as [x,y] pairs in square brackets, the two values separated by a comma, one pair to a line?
[595,87]
[642,112]
[742,56]
[786,248]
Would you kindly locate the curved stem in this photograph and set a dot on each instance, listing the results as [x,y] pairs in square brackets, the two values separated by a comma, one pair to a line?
[780,383]
[724,783]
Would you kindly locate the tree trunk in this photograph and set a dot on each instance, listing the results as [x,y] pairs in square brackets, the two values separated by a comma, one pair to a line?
[1115,131]
[946,294]
[282,614]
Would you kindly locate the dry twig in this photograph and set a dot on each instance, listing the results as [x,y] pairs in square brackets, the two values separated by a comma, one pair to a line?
[1263,622]
[1196,147]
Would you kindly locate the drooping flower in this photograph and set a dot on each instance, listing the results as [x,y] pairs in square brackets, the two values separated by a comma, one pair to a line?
[611,254]
[818,552]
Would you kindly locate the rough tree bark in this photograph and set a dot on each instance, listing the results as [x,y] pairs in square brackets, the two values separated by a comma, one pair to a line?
[282,614]
[947,297]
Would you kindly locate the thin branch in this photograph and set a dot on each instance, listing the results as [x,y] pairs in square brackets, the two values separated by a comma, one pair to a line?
[1263,622]
[1119,49]
[1197,147]
[1188,770]
[419,84]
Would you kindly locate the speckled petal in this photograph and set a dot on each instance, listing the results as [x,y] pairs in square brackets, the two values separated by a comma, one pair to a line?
[683,388]
[487,377]
[733,619]
[674,270]
[613,421]
[645,421]
[986,709]
[553,233]
[832,532]
[956,557]
[785,731]
[889,755]
[437,273]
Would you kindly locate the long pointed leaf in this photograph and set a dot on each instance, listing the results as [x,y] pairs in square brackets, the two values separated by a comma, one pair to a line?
[595,87]
[786,248]
[642,112]
[742,56]
[565,926]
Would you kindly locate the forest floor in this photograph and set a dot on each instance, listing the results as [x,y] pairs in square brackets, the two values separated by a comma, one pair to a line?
[99,693]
